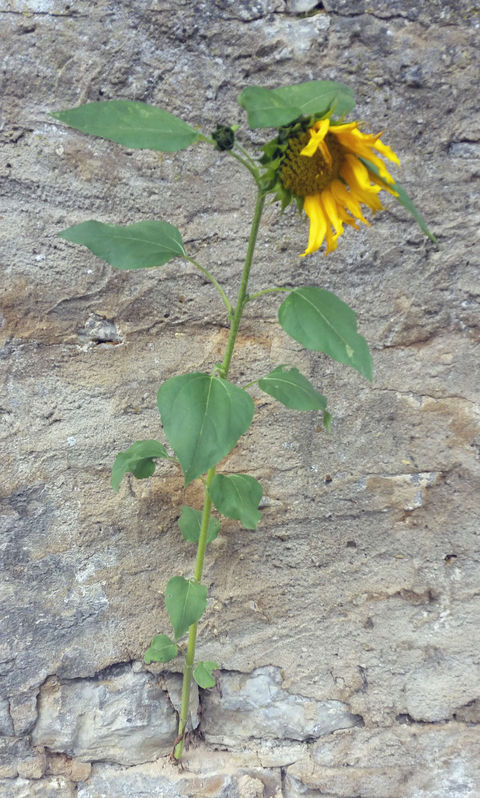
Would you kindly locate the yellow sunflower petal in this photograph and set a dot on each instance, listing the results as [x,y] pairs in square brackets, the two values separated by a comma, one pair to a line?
[363,145]
[357,177]
[331,210]
[317,135]
[346,200]
[382,184]
[387,152]
[331,241]
[318,223]
[355,170]
[342,128]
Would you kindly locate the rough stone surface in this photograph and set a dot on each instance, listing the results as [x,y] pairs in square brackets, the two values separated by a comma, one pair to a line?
[359,590]
[379,762]
[256,706]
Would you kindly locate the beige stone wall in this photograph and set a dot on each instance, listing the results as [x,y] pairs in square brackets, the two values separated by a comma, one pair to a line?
[347,625]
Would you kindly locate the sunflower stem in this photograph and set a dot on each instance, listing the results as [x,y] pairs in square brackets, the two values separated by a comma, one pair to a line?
[207,502]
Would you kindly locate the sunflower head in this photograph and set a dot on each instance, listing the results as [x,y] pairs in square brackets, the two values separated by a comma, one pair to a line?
[332,169]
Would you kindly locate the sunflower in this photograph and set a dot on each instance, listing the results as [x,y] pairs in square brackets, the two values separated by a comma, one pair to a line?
[332,170]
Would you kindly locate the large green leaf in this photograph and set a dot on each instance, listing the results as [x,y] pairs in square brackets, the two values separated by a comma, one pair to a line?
[190,523]
[319,320]
[136,246]
[161,649]
[203,674]
[292,389]
[137,460]
[203,417]
[185,601]
[277,107]
[134,124]
[237,496]
[403,199]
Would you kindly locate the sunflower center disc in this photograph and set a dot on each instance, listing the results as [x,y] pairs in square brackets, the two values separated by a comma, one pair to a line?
[304,175]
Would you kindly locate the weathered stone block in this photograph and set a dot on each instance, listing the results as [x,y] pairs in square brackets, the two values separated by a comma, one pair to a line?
[122,717]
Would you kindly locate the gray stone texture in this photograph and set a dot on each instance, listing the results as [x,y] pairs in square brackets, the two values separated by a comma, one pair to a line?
[357,598]
[256,706]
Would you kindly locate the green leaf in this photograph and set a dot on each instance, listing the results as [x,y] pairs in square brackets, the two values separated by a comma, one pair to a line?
[134,124]
[265,108]
[185,601]
[203,417]
[190,523]
[161,649]
[277,107]
[203,674]
[319,96]
[136,246]
[319,320]
[137,460]
[403,199]
[237,496]
[292,389]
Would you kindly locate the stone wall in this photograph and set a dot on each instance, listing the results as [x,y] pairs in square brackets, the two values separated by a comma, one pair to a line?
[347,625]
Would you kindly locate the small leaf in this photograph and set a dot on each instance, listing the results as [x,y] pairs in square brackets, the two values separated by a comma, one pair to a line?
[319,320]
[136,246]
[203,674]
[237,496]
[327,420]
[190,523]
[185,601]
[161,649]
[403,199]
[203,417]
[137,460]
[292,389]
[134,124]
[277,107]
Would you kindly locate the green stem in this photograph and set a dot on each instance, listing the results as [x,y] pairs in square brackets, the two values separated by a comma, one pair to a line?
[207,505]
[247,162]
[212,280]
[245,152]
[242,294]
[252,169]
[192,632]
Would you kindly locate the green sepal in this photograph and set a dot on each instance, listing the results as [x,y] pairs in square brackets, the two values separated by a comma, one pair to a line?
[203,674]
[134,124]
[161,649]
[185,601]
[292,389]
[319,320]
[403,198]
[138,459]
[224,137]
[190,523]
[135,246]
[278,107]
[237,496]
[203,417]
